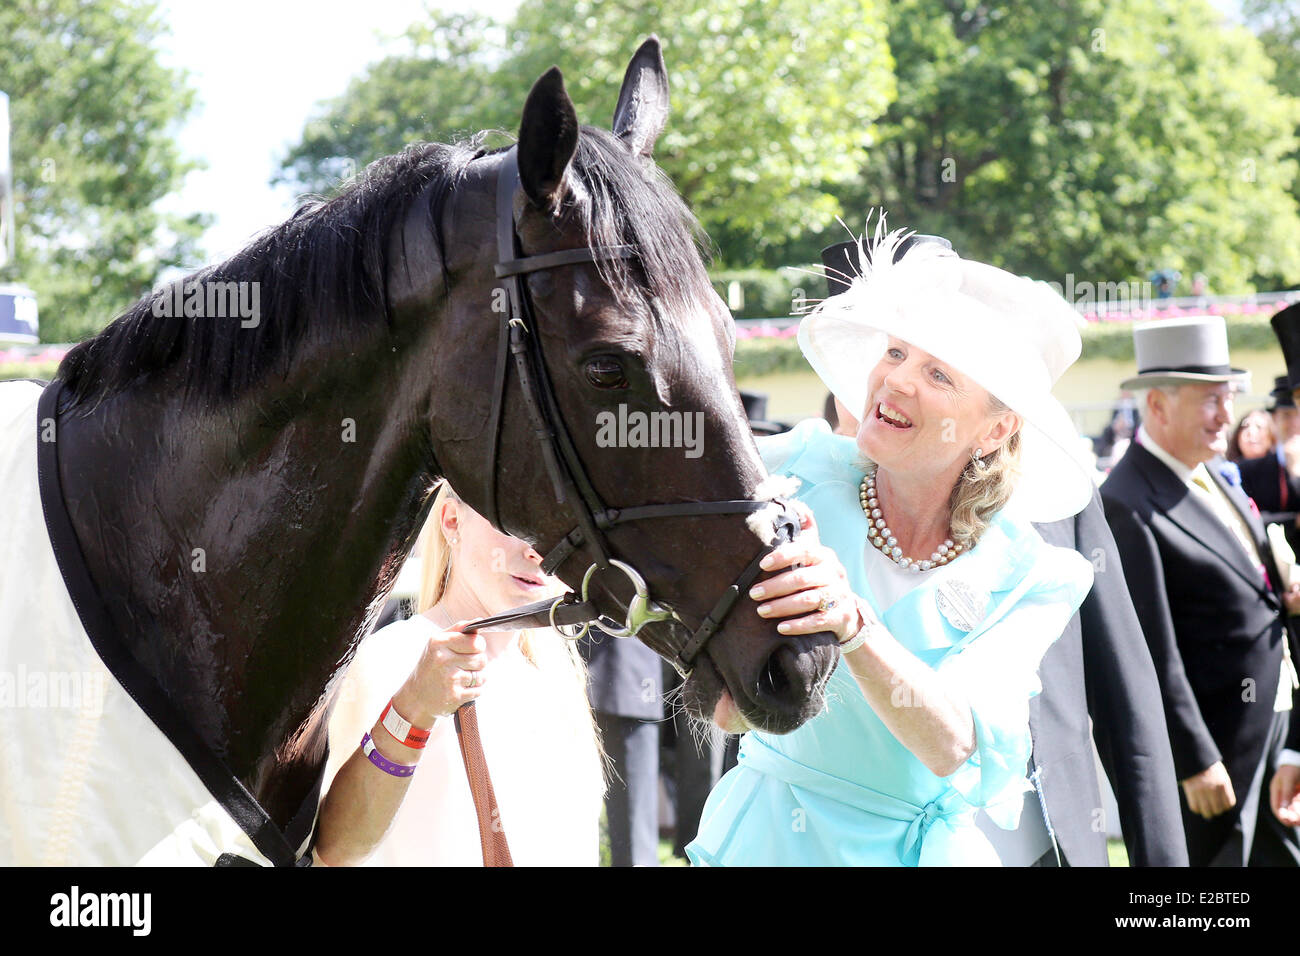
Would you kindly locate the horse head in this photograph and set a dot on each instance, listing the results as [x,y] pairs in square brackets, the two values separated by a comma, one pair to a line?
[632,352]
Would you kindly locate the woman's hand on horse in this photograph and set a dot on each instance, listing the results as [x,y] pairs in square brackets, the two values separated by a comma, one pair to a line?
[806,573]
[450,673]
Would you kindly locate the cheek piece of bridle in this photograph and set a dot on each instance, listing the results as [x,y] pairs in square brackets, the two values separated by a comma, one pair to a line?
[518,339]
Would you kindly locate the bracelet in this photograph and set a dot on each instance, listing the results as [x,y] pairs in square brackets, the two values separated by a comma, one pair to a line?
[383,763]
[401,729]
[869,626]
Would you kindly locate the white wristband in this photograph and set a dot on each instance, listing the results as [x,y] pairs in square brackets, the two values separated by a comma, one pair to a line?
[871,625]
[401,729]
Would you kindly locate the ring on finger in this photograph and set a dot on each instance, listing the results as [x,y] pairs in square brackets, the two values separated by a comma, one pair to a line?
[826,604]
[473,679]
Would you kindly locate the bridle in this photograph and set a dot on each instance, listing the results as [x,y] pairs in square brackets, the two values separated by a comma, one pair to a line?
[518,340]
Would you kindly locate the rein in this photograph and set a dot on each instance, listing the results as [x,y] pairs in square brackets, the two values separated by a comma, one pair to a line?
[572,486]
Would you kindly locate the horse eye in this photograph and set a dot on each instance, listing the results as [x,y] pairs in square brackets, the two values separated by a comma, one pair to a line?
[606,372]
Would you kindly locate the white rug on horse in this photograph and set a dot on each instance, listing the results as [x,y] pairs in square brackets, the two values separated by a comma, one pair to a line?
[85,776]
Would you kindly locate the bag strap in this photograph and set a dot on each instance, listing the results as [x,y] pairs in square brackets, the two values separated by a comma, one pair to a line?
[496,851]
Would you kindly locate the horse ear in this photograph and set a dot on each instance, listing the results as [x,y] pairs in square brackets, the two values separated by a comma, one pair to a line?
[548,138]
[642,106]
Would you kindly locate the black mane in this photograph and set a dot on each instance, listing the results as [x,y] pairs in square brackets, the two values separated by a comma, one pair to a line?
[325,270]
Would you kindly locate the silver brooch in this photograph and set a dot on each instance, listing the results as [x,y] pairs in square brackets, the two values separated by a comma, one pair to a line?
[960,604]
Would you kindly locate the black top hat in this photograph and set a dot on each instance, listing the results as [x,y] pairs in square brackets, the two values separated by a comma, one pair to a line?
[1286,326]
[1281,394]
[842,262]
[756,411]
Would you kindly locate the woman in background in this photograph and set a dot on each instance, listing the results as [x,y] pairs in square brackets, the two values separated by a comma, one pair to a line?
[402,803]
[1252,438]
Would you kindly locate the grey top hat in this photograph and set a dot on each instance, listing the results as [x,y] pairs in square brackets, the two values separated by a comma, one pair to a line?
[1182,352]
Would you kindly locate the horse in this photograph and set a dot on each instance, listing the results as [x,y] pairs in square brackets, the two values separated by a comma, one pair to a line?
[227,498]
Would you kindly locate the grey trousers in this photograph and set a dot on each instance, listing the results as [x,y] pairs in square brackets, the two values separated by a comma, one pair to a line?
[632,803]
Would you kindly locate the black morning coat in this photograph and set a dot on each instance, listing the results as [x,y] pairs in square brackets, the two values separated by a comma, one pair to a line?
[1214,626]
[1100,666]
[1275,492]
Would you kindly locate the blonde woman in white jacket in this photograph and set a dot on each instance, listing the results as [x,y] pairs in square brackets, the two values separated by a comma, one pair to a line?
[399,803]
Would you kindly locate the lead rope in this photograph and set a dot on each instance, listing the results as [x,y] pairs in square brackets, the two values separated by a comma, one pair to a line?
[491,833]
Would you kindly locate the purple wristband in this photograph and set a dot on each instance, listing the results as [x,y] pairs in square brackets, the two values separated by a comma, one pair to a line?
[383,763]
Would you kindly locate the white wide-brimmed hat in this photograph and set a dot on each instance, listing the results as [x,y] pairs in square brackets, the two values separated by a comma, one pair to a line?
[1011,335]
[1184,351]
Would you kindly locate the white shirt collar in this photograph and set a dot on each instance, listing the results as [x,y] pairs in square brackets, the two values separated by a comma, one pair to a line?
[1144,439]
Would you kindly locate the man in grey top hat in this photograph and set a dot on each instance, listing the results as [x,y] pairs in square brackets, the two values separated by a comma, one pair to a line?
[1209,593]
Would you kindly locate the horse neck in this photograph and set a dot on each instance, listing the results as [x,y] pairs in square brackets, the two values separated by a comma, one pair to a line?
[241,549]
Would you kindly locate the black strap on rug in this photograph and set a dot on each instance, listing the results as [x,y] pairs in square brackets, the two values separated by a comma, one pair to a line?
[277,846]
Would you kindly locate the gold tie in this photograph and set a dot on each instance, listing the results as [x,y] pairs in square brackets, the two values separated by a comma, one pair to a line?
[1225,512]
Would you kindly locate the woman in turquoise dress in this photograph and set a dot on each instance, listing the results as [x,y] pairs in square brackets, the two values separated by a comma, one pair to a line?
[920,555]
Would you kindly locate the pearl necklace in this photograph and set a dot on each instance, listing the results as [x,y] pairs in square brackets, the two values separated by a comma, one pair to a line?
[883,539]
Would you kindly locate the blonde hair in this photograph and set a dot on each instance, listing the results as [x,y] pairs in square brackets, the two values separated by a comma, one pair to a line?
[984,486]
[544,648]
[435,552]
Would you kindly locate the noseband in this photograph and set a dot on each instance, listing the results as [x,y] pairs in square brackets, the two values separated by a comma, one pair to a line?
[518,339]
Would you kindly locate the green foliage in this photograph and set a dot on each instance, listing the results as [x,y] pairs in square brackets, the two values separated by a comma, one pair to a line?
[762,355]
[1277,24]
[42,370]
[768,293]
[1102,138]
[1116,853]
[94,116]
[770,103]
[1114,340]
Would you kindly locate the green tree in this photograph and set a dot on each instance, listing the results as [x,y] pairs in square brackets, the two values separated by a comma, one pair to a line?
[771,101]
[1103,138]
[94,115]
[1277,24]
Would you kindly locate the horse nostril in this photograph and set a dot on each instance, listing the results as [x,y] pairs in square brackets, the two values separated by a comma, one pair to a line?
[789,689]
[774,682]
[788,682]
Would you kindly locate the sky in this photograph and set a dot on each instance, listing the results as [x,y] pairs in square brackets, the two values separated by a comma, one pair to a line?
[260,67]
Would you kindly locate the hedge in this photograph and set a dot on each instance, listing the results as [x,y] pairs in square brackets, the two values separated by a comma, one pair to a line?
[759,354]
[770,354]
[769,292]
[43,370]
